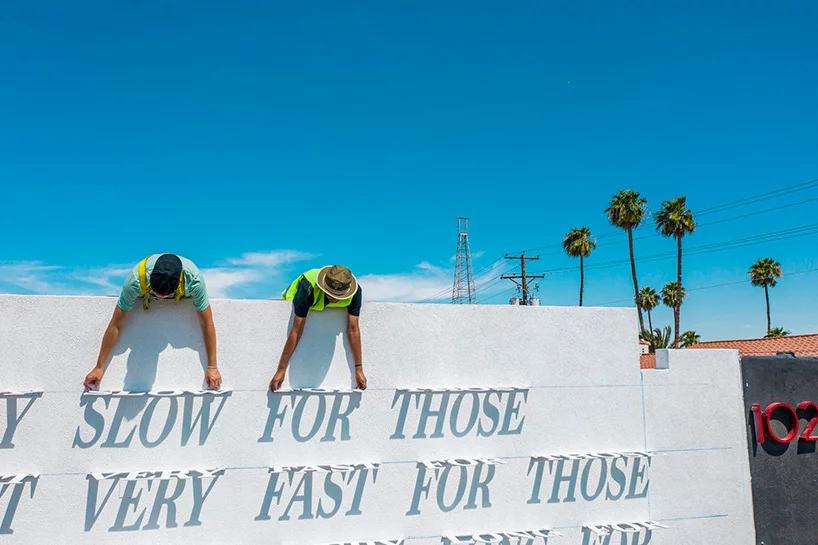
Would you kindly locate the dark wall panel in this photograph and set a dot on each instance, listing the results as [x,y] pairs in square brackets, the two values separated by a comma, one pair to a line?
[785,474]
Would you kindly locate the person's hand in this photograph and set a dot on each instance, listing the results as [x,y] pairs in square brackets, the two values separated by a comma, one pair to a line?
[360,378]
[278,379]
[213,378]
[93,379]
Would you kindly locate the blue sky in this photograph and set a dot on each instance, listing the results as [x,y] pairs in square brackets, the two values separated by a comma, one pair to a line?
[261,138]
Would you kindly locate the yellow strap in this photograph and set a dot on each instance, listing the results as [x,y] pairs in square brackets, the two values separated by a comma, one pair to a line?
[180,289]
[145,289]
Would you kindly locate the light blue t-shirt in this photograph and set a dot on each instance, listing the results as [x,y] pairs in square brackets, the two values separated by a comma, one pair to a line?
[195,287]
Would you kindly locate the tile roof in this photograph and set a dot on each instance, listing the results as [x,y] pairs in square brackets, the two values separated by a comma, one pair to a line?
[802,345]
[647,361]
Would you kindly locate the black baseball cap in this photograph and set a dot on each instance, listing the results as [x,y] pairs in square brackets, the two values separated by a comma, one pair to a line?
[166,274]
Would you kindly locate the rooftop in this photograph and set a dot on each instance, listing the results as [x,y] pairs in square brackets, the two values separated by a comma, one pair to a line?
[801,345]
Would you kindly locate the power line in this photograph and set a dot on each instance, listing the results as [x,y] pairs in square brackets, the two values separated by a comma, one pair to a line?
[719,208]
[721,285]
[479,287]
[760,197]
[772,236]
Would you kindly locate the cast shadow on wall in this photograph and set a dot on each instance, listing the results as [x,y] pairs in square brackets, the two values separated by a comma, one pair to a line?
[309,414]
[16,407]
[311,361]
[149,333]
[127,504]
[782,424]
[115,421]
[12,493]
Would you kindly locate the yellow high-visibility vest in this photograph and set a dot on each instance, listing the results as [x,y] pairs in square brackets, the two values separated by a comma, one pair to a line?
[319,301]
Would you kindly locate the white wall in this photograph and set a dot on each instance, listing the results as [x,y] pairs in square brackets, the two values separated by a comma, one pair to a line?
[580,390]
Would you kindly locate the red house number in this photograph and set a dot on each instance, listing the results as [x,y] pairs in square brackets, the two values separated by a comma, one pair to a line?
[761,420]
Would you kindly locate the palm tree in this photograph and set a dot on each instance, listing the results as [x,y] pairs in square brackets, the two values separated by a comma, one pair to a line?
[657,338]
[578,243]
[649,299]
[765,272]
[626,211]
[690,338]
[672,295]
[776,332]
[675,220]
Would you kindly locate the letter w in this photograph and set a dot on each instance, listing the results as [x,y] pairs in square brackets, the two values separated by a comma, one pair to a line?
[201,418]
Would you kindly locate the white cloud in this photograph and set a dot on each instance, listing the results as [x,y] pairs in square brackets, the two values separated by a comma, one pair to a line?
[220,281]
[426,283]
[101,280]
[28,277]
[273,258]
[253,274]
[416,285]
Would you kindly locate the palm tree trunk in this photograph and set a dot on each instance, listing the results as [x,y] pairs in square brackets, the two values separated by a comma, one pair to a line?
[581,278]
[635,282]
[679,259]
[677,310]
[767,298]
[676,321]
[650,322]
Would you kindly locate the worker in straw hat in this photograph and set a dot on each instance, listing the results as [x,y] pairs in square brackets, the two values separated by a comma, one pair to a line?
[328,287]
[160,276]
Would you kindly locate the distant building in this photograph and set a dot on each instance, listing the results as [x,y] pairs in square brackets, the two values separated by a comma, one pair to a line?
[644,346]
[797,345]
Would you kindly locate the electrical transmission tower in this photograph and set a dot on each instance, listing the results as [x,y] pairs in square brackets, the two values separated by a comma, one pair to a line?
[523,280]
[463,291]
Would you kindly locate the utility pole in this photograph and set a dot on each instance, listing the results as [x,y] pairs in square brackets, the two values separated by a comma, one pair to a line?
[522,280]
[463,291]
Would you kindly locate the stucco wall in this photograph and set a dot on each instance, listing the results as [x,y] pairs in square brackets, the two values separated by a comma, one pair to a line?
[554,381]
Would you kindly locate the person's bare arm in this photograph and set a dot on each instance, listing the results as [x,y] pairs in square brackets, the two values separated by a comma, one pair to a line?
[109,339]
[289,347]
[354,335]
[213,378]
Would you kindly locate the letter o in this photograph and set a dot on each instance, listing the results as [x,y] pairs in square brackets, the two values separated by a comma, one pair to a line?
[455,413]
[441,488]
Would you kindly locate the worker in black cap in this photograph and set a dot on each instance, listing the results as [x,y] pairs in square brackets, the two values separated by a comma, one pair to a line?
[332,286]
[161,276]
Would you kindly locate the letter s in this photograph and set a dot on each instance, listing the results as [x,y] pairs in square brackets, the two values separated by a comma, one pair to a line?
[93,419]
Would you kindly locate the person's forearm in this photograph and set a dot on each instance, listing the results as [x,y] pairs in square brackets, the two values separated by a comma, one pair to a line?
[209,334]
[289,348]
[355,345]
[108,342]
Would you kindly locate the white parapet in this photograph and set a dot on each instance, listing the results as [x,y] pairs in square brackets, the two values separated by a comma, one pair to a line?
[484,421]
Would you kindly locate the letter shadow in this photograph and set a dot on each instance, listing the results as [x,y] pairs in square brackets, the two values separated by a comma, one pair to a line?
[106,414]
[17,406]
[617,538]
[14,492]
[148,334]
[769,446]
[493,538]
[312,358]
[806,447]
[459,413]
[332,411]
[588,480]
[145,504]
